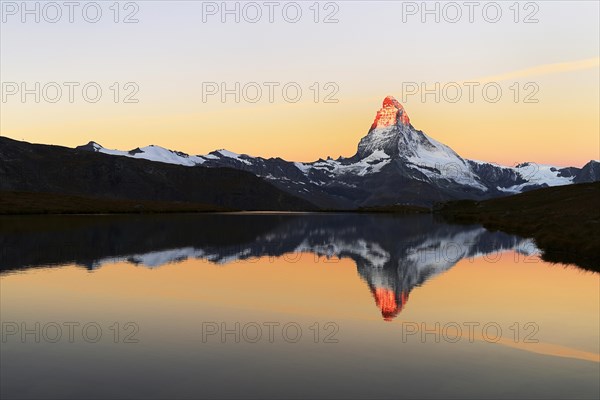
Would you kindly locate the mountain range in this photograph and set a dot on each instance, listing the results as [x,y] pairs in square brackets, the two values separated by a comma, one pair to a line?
[395,164]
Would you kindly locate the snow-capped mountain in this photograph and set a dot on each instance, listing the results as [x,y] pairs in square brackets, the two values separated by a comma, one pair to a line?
[394,164]
[394,136]
[151,153]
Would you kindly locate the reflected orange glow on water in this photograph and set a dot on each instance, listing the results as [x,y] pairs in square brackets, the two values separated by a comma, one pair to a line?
[562,301]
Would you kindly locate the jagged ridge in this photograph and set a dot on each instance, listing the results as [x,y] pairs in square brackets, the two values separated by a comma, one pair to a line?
[394,164]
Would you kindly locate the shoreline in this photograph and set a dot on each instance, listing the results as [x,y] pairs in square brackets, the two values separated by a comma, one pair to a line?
[564,221]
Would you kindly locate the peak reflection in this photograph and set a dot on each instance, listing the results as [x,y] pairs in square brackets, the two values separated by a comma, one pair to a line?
[393,254]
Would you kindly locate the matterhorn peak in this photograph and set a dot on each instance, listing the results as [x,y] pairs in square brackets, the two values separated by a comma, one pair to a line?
[391,113]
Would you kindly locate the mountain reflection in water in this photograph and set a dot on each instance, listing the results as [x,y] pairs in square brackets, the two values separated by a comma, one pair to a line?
[393,254]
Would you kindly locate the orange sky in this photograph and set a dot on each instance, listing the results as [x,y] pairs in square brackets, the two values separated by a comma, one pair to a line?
[171,64]
[562,128]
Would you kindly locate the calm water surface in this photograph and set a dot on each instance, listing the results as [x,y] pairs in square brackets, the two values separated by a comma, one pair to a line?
[289,305]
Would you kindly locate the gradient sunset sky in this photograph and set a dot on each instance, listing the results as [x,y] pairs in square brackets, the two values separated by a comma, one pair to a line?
[370,53]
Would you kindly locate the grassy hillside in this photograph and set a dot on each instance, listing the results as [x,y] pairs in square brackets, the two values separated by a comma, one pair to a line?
[564,221]
[49,203]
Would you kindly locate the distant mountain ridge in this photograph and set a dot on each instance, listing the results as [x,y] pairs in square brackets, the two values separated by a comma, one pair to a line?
[394,164]
[31,168]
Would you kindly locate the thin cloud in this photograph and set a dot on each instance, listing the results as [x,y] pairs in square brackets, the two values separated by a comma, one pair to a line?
[545,69]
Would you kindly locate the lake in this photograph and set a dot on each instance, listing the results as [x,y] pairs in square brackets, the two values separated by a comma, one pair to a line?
[276,305]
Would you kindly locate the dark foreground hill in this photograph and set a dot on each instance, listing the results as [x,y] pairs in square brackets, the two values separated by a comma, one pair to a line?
[62,171]
[12,203]
[564,221]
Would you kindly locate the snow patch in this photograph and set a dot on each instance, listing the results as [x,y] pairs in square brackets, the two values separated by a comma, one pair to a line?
[158,154]
[235,156]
